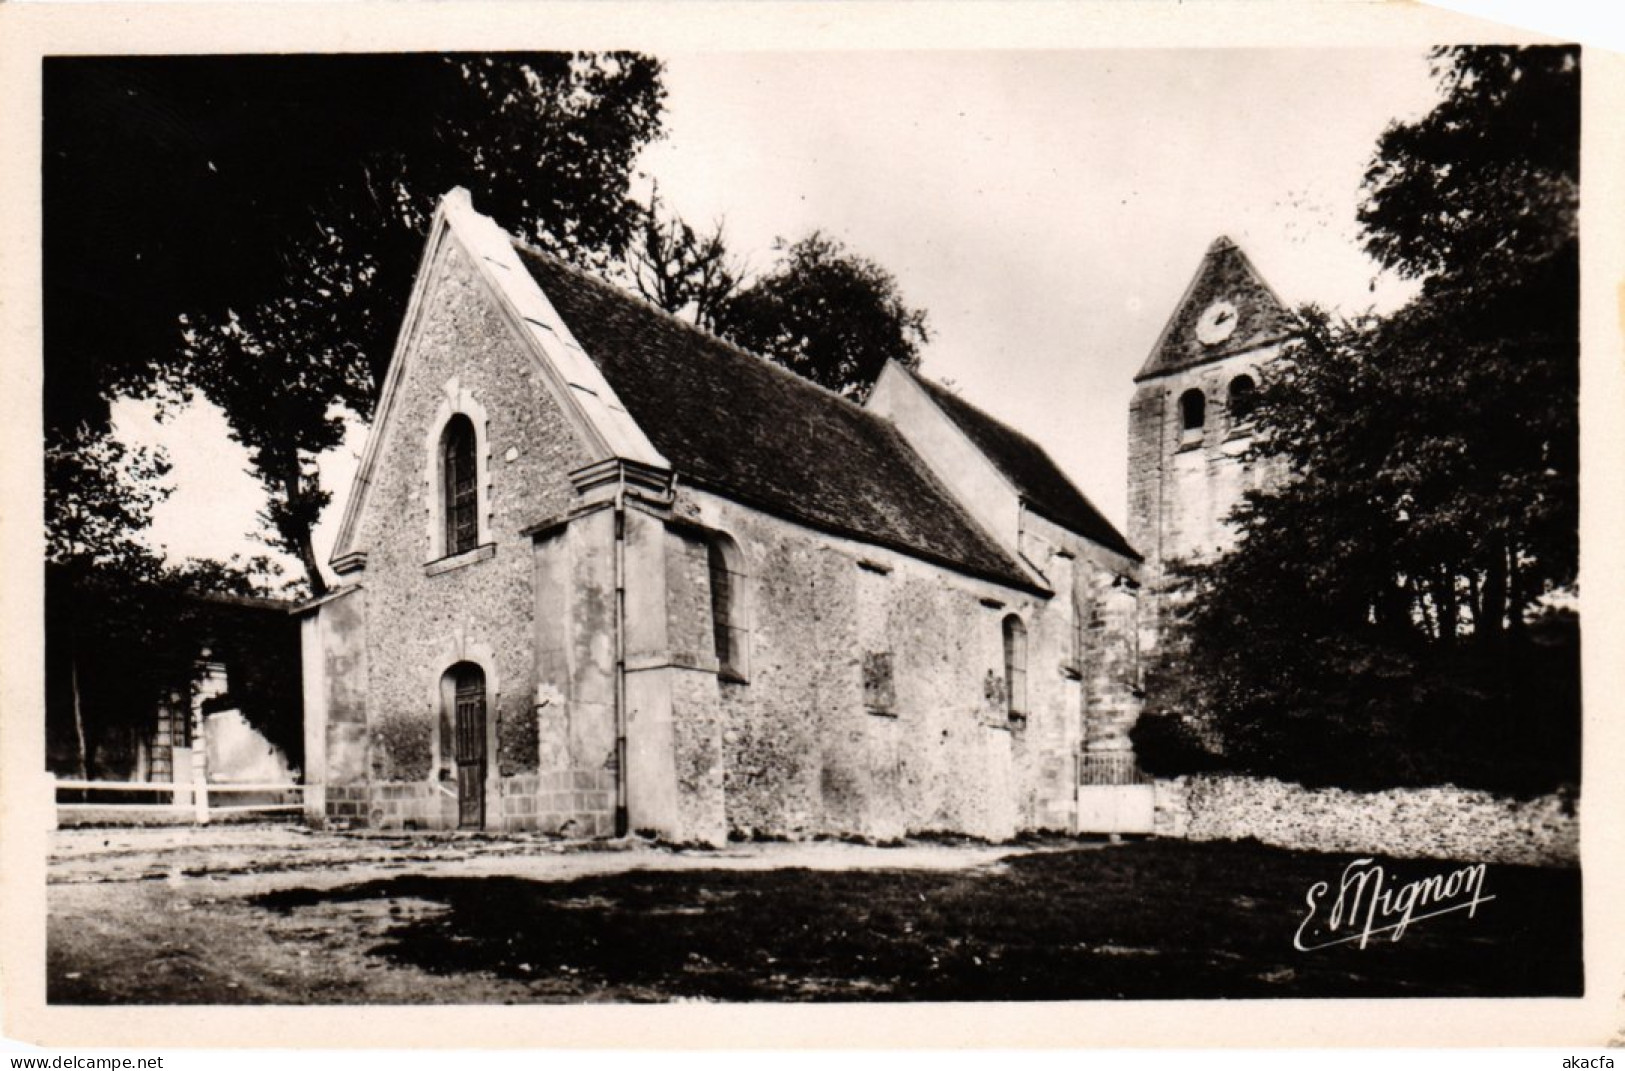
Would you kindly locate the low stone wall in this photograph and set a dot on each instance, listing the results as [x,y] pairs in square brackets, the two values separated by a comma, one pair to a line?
[1443,822]
[392,805]
[577,803]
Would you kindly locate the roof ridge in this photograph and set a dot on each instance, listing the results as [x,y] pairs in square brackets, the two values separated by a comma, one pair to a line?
[938,388]
[1017,432]
[257,602]
[709,336]
[1033,498]
[178,587]
[1213,249]
[945,533]
[1258,277]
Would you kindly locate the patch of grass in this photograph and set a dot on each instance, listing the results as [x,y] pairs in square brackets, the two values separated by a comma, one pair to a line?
[1155,919]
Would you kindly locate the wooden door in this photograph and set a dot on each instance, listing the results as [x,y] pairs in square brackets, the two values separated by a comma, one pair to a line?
[471,749]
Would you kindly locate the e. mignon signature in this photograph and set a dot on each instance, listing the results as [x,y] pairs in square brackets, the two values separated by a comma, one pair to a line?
[1369,902]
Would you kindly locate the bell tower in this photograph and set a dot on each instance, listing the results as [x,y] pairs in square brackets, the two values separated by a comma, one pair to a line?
[1191,418]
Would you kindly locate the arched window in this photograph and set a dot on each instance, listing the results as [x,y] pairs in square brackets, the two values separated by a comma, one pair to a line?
[1080,626]
[728,608]
[456,485]
[460,490]
[1192,410]
[1015,668]
[1242,399]
[462,689]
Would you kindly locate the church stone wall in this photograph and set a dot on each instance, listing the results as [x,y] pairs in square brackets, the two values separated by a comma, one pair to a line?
[1101,592]
[1148,417]
[875,703]
[334,650]
[421,620]
[574,691]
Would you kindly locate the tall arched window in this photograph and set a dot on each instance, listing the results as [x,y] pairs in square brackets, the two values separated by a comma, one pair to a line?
[1242,399]
[1080,626]
[728,608]
[460,490]
[1192,411]
[1015,668]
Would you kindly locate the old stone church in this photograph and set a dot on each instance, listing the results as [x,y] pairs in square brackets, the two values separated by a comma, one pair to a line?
[603,572]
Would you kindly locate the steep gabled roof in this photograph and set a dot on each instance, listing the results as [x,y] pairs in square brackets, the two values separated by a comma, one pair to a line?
[586,400]
[1224,274]
[1036,477]
[738,425]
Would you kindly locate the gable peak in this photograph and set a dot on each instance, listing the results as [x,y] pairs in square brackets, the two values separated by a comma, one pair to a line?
[1226,309]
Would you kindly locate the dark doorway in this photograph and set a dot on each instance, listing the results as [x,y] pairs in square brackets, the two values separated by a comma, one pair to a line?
[468,682]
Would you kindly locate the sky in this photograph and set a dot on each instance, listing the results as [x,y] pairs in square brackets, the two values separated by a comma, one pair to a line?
[1046,209]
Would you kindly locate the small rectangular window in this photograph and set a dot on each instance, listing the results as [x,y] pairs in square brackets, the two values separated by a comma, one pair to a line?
[879,687]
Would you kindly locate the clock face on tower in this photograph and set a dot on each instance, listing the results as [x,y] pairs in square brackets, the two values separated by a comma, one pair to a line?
[1218,323]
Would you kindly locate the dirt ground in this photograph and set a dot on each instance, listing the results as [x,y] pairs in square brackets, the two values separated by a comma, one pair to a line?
[281,915]
[168,915]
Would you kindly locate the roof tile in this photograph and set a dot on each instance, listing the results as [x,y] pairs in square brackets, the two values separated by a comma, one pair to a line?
[738,425]
[1026,465]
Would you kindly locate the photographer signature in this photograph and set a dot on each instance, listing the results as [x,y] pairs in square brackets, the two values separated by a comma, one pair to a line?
[1368,903]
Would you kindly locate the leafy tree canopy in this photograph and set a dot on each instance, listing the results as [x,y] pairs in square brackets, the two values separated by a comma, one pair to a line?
[101,499]
[827,314]
[1383,616]
[114,606]
[214,183]
[99,510]
[1487,183]
[218,225]
[824,312]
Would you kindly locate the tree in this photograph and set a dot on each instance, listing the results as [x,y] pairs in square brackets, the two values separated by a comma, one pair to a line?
[1480,200]
[1383,616]
[679,269]
[1487,183]
[246,240]
[827,314]
[823,312]
[118,646]
[102,494]
[101,497]
[111,600]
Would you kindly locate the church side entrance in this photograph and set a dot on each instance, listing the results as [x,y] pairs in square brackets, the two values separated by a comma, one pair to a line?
[469,735]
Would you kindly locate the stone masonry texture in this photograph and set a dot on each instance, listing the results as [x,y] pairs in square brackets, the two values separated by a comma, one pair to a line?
[802,752]
[1182,487]
[419,625]
[1444,822]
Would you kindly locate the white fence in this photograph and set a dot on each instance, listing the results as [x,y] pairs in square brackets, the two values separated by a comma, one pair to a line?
[1114,794]
[177,801]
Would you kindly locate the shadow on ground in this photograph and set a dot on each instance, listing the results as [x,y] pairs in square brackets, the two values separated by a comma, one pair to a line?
[1159,919]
